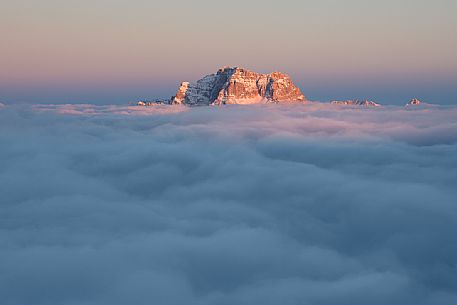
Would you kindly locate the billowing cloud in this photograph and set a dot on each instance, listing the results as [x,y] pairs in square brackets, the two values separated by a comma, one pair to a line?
[266,204]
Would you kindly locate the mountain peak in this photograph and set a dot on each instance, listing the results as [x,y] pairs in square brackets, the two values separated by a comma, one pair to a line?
[414,101]
[235,85]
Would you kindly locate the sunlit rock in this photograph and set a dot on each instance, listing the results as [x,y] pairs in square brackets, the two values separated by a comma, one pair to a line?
[238,86]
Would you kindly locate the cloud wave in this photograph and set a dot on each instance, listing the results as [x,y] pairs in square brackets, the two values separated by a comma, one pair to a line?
[264,204]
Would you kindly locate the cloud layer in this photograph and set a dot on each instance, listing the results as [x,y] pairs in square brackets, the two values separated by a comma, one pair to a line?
[262,204]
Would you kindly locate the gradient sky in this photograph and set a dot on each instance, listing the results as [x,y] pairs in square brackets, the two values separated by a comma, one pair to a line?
[115,51]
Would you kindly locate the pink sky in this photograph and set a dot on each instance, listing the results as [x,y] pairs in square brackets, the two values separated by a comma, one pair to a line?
[95,46]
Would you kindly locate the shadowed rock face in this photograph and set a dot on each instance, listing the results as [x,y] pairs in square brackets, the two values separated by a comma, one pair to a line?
[238,86]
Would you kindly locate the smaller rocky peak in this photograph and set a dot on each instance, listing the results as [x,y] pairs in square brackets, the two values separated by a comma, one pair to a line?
[414,102]
[364,103]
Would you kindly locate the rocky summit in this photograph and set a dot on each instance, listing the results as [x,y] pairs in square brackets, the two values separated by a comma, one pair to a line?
[238,86]
[414,102]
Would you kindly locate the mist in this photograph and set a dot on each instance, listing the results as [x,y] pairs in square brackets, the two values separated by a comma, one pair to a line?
[261,204]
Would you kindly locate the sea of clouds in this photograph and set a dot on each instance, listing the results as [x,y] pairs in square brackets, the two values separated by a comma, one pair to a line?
[263,204]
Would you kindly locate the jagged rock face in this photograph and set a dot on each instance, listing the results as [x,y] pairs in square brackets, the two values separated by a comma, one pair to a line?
[181,94]
[365,103]
[238,86]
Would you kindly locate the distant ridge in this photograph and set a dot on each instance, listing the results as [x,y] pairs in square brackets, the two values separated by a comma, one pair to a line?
[365,103]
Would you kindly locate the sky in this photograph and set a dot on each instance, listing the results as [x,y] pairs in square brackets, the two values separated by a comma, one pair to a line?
[116,51]
[260,204]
